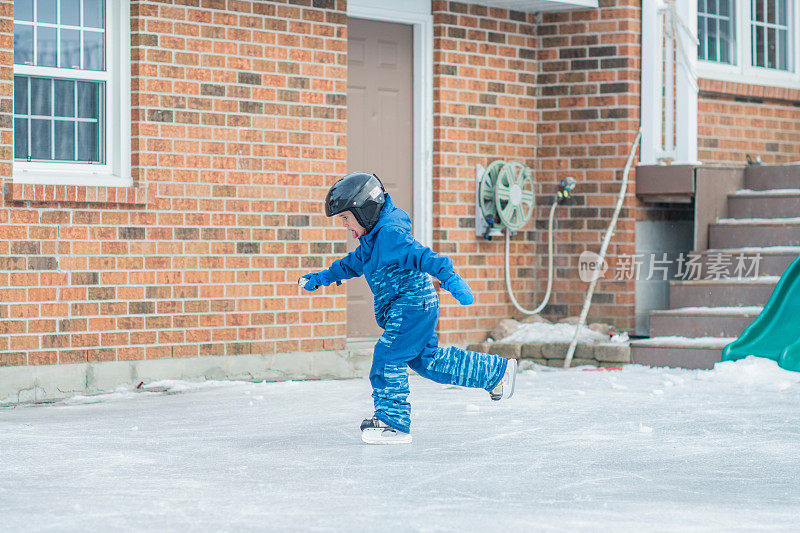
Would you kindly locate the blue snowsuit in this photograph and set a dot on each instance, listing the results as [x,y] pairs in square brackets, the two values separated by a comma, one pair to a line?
[396,267]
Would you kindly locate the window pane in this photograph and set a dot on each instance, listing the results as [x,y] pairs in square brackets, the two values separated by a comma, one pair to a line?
[40,96]
[46,46]
[88,141]
[93,50]
[40,139]
[23,44]
[23,10]
[64,140]
[71,12]
[712,7]
[70,49]
[20,95]
[712,40]
[782,12]
[46,11]
[64,98]
[771,48]
[783,50]
[771,11]
[94,15]
[88,100]
[701,37]
[724,42]
[701,6]
[758,10]
[758,46]
[724,8]
[20,138]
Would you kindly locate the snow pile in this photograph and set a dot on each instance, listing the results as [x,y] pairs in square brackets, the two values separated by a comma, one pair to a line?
[544,332]
[753,373]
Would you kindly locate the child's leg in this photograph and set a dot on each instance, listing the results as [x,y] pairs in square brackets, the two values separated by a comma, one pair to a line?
[455,366]
[406,334]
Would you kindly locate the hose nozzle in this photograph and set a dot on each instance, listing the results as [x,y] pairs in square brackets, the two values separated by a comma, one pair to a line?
[565,187]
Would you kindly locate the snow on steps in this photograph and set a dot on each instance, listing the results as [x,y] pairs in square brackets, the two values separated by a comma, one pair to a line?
[675,351]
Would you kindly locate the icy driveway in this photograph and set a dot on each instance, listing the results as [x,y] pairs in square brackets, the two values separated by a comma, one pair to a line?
[575,450]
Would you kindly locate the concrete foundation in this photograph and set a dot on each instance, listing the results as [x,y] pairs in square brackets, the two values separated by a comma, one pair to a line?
[42,383]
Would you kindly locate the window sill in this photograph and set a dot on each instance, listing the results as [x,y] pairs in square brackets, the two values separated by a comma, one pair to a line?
[750,90]
[82,194]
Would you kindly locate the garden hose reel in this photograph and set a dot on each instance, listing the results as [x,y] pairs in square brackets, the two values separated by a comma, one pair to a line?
[504,197]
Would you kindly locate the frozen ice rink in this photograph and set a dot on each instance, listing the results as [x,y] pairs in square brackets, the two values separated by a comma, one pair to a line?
[638,449]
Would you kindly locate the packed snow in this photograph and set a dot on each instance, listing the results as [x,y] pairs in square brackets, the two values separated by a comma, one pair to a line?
[573,450]
[767,192]
[546,332]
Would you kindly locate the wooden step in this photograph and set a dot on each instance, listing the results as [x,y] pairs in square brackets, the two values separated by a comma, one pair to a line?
[703,352]
[776,203]
[702,321]
[769,260]
[721,293]
[731,233]
[763,177]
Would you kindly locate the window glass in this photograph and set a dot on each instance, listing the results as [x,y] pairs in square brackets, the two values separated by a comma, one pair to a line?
[714,31]
[71,12]
[23,10]
[769,34]
[57,118]
[23,44]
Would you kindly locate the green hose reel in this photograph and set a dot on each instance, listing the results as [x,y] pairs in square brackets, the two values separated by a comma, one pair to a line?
[505,196]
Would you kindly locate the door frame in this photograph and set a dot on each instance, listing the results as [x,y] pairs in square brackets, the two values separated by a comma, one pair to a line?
[418,15]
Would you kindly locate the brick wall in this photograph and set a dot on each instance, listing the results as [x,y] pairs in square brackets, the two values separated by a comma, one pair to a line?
[484,109]
[588,80]
[239,128]
[735,119]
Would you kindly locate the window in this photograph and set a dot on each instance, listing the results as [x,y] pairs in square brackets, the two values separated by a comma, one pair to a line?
[70,79]
[770,34]
[755,41]
[715,30]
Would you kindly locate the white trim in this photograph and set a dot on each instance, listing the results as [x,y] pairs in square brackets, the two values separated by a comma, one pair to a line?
[652,80]
[686,88]
[416,13]
[743,71]
[116,172]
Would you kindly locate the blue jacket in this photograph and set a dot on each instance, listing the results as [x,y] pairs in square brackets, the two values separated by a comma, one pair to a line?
[394,264]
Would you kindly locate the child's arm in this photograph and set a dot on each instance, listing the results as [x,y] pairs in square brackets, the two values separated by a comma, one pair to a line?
[399,246]
[349,266]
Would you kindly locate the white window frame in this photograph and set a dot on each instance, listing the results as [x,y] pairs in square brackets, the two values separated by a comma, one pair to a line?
[116,171]
[743,71]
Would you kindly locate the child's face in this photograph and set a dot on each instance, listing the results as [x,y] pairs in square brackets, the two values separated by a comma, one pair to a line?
[349,221]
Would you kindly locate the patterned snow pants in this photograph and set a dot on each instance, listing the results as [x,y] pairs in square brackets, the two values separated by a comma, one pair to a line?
[410,340]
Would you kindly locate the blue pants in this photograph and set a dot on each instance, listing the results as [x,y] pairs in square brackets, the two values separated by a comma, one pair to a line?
[410,340]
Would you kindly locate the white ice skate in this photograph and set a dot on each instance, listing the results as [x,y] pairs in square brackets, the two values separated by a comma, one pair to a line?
[505,389]
[374,431]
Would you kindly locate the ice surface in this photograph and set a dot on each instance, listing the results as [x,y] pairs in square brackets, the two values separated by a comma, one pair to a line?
[637,449]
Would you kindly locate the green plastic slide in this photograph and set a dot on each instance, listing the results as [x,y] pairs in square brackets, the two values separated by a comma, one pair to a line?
[775,333]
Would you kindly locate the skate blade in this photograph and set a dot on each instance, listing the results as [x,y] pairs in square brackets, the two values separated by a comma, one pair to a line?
[376,436]
[512,372]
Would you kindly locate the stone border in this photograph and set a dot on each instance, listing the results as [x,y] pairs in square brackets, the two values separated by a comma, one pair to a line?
[600,354]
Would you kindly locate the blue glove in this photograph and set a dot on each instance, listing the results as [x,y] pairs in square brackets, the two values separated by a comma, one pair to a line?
[315,281]
[459,289]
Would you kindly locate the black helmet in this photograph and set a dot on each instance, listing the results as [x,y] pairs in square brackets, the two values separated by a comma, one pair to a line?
[359,192]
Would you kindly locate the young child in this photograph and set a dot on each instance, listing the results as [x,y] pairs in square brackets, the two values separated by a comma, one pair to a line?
[396,267]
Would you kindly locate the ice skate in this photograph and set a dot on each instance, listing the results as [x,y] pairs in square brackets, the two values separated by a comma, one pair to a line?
[505,389]
[374,431]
